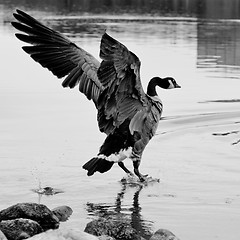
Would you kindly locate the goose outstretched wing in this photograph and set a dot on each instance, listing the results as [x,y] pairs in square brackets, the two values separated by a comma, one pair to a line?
[123,96]
[58,54]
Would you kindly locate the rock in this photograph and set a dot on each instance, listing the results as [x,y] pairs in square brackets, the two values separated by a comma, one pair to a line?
[163,234]
[20,228]
[62,213]
[118,229]
[2,236]
[63,234]
[36,212]
[106,237]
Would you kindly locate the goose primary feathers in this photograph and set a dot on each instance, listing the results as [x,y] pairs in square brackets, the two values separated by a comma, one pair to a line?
[127,114]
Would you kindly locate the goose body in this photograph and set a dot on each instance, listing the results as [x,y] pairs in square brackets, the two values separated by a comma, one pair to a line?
[126,114]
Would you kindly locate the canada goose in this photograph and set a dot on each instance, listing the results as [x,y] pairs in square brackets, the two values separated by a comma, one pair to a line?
[127,114]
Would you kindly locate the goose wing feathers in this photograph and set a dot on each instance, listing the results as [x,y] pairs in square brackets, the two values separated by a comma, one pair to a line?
[114,85]
[58,54]
[123,95]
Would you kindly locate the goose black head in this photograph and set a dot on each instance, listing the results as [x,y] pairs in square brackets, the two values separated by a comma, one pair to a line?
[166,83]
[172,83]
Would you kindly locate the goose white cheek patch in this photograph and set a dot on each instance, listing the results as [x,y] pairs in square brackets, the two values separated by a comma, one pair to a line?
[171,85]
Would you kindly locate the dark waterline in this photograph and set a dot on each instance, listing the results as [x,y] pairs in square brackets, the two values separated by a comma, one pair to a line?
[215,9]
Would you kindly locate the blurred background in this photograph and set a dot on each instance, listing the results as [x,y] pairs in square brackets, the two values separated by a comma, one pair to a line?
[211,27]
[215,9]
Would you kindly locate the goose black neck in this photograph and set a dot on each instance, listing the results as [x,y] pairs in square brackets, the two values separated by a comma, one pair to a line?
[151,88]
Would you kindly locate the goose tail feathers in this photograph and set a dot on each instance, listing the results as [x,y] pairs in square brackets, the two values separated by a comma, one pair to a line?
[97,164]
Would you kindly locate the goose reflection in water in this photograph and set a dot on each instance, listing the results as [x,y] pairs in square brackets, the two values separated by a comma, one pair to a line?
[119,211]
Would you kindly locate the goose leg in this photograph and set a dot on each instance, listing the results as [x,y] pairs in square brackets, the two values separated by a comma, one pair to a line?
[136,164]
[121,165]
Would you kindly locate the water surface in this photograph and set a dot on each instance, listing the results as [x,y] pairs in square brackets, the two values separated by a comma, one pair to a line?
[47,133]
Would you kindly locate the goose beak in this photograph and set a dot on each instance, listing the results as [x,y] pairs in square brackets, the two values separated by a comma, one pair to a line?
[177,86]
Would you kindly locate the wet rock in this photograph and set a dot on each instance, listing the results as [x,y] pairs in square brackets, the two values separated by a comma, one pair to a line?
[106,237]
[118,229]
[63,234]
[62,213]
[20,228]
[36,212]
[2,236]
[163,234]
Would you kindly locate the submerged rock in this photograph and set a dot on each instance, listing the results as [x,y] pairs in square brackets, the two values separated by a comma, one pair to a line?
[36,212]
[163,234]
[118,229]
[47,191]
[20,228]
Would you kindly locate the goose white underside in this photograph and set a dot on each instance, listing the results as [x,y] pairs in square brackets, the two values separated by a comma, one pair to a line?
[117,157]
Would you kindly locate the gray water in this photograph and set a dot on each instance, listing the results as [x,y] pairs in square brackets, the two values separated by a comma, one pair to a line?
[47,133]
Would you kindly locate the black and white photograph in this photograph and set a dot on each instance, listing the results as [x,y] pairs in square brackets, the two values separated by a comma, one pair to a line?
[120,120]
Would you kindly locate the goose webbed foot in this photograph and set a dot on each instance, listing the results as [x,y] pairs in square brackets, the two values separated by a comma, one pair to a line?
[141,177]
[136,164]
